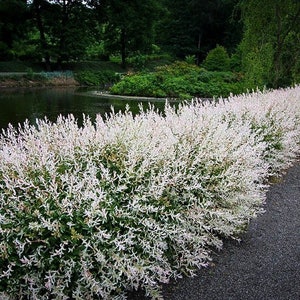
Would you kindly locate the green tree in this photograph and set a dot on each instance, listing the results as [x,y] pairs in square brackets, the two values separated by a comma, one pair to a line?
[130,25]
[13,26]
[271,41]
[217,59]
[65,28]
[38,8]
[194,27]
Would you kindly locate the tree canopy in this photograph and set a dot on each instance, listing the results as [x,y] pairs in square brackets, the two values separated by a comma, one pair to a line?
[262,37]
[271,41]
[64,29]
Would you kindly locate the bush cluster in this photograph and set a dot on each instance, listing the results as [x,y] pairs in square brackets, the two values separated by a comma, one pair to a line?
[142,62]
[217,59]
[180,80]
[94,211]
[102,79]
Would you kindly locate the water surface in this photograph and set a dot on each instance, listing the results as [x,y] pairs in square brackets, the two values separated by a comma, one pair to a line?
[19,104]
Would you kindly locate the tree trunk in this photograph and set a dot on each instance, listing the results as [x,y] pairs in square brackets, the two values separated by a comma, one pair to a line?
[123,47]
[62,42]
[198,47]
[40,26]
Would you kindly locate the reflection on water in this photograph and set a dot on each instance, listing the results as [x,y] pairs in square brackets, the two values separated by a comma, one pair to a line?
[19,104]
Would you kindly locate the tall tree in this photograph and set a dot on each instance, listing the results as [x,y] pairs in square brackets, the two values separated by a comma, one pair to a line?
[38,8]
[271,42]
[13,17]
[194,27]
[65,28]
[130,25]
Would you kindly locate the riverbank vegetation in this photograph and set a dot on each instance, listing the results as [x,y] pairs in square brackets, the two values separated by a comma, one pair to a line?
[129,202]
[32,79]
[185,79]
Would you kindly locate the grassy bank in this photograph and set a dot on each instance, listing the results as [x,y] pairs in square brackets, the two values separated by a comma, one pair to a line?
[26,74]
[31,79]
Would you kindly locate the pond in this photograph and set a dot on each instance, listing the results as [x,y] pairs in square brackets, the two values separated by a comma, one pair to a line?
[19,104]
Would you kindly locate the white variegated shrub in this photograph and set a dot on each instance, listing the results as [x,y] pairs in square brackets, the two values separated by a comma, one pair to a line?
[92,212]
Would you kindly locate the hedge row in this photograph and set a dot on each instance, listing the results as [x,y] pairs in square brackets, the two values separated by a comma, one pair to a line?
[93,212]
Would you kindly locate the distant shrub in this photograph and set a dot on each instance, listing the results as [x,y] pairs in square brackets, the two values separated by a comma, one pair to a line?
[141,62]
[217,59]
[97,78]
[141,85]
[97,51]
[178,68]
[179,87]
[236,61]
[138,61]
[190,59]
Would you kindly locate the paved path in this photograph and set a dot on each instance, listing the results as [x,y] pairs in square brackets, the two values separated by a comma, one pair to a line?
[265,265]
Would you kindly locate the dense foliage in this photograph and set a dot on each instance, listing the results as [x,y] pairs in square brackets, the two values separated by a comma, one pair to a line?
[217,60]
[101,79]
[180,80]
[270,44]
[130,202]
[69,29]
